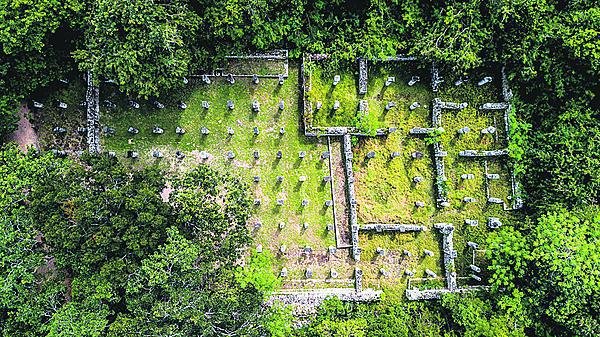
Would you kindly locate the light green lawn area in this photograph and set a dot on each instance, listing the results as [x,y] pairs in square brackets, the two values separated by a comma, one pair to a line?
[378,95]
[243,143]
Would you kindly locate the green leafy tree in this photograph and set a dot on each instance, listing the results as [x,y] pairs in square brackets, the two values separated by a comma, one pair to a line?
[141,45]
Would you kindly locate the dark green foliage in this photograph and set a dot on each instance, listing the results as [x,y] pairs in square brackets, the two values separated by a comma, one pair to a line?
[91,249]
[142,45]
[565,160]
[97,246]
[457,316]
[551,271]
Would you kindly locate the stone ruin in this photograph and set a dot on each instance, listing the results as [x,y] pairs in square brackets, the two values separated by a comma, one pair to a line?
[92,99]
[362,76]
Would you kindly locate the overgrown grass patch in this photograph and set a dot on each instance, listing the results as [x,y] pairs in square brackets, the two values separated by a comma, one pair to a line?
[269,120]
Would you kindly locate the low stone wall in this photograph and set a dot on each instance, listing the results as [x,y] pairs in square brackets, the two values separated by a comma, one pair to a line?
[92,102]
[306,303]
[478,153]
[362,76]
[421,131]
[392,228]
[347,147]
[447,230]
[436,80]
[435,294]
[494,106]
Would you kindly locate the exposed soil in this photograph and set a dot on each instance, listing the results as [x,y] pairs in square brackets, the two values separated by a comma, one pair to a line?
[25,136]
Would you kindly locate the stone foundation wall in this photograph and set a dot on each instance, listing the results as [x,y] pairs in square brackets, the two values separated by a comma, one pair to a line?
[92,102]
[347,147]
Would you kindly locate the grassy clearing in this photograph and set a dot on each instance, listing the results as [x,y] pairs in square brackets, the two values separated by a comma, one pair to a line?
[384,187]
[243,143]
[378,95]
[386,192]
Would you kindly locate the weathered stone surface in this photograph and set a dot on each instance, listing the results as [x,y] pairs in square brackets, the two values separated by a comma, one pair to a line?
[92,99]
[352,205]
[420,131]
[436,79]
[306,303]
[472,245]
[463,130]
[476,153]
[471,222]
[255,106]
[484,81]
[362,76]
[494,222]
[414,105]
[461,80]
[447,230]
[494,106]
[488,130]
[358,275]
[392,228]
[417,155]
[433,294]
[336,79]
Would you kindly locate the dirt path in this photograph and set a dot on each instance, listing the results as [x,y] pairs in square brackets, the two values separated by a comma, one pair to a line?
[25,136]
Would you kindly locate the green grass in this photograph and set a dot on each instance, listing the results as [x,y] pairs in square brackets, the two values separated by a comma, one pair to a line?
[384,188]
[386,193]
[243,143]
[254,66]
[378,95]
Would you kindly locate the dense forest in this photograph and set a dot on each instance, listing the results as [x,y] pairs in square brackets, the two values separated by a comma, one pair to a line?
[89,248]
